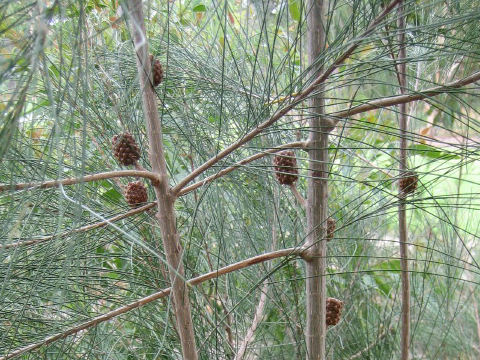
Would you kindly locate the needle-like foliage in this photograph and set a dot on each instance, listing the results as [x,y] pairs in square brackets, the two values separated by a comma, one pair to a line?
[73,252]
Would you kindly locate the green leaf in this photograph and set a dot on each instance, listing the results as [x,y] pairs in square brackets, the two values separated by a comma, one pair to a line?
[431,152]
[199,8]
[382,285]
[393,264]
[294,7]
[113,195]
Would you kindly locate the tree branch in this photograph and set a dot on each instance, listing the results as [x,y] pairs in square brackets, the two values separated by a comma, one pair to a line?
[301,200]
[403,99]
[155,296]
[402,204]
[80,229]
[285,110]
[165,205]
[86,178]
[297,144]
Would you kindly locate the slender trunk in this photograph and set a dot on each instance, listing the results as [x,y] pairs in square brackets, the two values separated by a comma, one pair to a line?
[402,216]
[317,195]
[166,213]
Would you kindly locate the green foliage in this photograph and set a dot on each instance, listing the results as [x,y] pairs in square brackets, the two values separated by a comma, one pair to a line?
[68,84]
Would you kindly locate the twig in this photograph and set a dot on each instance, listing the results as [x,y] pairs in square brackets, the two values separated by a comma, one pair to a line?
[372,345]
[477,317]
[155,296]
[297,144]
[81,229]
[86,178]
[256,320]
[371,164]
[301,200]
[263,298]
[285,110]
[404,98]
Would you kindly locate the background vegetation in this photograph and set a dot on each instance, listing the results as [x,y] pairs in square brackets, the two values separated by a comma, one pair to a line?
[68,83]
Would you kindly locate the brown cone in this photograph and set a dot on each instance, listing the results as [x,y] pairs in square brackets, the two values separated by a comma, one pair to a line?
[135,193]
[331,225]
[125,149]
[334,311]
[285,165]
[157,71]
[408,183]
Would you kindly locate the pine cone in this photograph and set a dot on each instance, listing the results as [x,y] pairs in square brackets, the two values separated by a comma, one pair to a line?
[157,71]
[285,165]
[125,149]
[408,183]
[331,225]
[334,311]
[136,193]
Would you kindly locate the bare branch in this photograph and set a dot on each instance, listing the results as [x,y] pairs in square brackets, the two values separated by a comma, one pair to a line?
[297,144]
[155,296]
[403,99]
[256,320]
[301,200]
[80,229]
[286,109]
[86,178]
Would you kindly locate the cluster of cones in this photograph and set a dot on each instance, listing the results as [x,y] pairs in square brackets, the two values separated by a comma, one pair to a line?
[408,183]
[334,311]
[127,152]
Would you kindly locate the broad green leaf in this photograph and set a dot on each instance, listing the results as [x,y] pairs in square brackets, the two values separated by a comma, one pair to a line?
[294,7]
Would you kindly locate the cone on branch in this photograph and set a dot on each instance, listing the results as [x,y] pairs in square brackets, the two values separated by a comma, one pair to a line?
[136,193]
[285,165]
[157,71]
[408,183]
[331,226]
[125,149]
[334,311]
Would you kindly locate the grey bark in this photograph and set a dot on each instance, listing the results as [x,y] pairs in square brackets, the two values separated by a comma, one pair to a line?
[166,200]
[317,193]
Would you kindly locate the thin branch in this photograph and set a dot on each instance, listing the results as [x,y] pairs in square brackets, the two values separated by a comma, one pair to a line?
[372,345]
[256,320]
[297,144]
[86,178]
[477,317]
[259,310]
[371,164]
[155,296]
[80,229]
[405,98]
[285,110]
[301,200]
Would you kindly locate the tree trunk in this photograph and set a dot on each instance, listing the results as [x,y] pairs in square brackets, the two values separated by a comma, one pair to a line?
[165,214]
[317,194]
[402,216]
